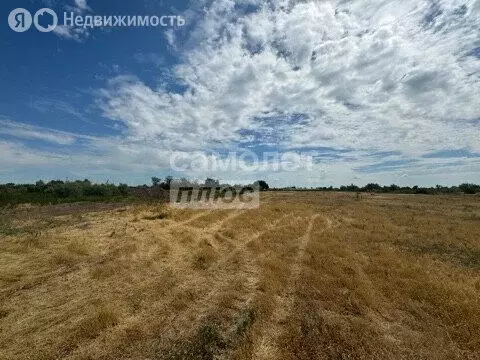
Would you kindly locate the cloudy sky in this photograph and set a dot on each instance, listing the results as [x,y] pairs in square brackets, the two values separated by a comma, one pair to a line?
[341,91]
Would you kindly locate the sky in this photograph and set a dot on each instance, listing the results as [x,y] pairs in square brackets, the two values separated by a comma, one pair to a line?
[306,93]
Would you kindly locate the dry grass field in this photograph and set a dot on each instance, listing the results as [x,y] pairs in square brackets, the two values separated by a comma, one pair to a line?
[306,276]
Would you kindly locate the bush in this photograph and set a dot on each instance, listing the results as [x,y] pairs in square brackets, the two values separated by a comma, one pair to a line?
[469,188]
[58,191]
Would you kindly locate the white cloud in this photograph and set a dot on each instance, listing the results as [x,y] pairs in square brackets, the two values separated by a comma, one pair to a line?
[24,131]
[78,34]
[82,5]
[368,76]
[392,77]
[16,155]
[154,59]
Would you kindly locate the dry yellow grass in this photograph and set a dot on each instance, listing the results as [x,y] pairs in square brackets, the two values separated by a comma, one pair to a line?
[306,276]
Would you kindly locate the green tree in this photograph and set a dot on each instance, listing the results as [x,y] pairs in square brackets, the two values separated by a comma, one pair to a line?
[262,185]
[156,181]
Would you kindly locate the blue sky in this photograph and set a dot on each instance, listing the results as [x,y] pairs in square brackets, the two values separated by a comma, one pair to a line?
[342,92]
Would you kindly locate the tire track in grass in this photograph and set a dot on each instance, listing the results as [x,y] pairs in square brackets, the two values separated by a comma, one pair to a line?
[212,288]
[222,278]
[192,218]
[248,269]
[218,225]
[267,346]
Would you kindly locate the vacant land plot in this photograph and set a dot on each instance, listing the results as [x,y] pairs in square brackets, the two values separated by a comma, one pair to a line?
[306,276]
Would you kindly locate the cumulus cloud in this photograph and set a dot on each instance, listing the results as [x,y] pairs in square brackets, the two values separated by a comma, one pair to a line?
[367,89]
[368,77]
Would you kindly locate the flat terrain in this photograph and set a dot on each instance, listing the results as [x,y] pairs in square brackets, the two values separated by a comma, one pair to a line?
[306,276]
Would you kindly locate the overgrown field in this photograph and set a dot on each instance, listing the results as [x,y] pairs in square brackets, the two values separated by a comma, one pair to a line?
[306,276]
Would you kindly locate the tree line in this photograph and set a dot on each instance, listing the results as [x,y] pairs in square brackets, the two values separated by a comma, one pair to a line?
[465,188]
[57,191]
[209,182]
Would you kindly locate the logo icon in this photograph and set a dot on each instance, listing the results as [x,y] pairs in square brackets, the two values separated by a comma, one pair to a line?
[20,20]
[45,16]
[222,197]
